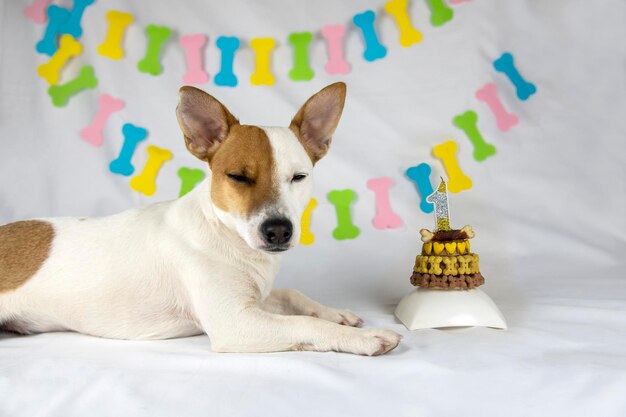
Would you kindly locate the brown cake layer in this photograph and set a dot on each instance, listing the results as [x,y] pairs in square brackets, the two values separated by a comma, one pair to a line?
[449,235]
[447,282]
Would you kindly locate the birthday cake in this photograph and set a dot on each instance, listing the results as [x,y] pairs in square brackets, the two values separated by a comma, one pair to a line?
[446,261]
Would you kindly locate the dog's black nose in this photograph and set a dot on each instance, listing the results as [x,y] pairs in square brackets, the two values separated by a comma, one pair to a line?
[277,231]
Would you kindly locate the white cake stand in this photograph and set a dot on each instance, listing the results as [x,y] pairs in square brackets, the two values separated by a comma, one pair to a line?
[425,308]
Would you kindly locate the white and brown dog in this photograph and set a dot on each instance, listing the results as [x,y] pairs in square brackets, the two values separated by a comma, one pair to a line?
[203,263]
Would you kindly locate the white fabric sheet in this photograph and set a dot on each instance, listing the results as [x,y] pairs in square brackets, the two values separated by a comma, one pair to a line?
[548,210]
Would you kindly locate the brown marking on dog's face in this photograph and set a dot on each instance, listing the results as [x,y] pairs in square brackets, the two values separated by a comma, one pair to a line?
[242,172]
[24,247]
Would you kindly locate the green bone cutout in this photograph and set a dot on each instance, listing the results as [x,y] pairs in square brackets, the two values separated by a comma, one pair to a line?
[301,70]
[157,35]
[467,123]
[61,93]
[189,177]
[342,199]
[440,12]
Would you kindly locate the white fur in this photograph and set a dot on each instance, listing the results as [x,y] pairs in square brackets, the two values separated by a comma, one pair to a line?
[181,268]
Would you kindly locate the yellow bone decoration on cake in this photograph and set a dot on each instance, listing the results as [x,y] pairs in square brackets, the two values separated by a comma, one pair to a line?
[450,262]
[435,265]
[464,261]
[451,247]
[421,264]
[473,265]
[427,248]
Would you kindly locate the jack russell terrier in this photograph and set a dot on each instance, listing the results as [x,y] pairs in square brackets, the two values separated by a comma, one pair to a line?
[204,263]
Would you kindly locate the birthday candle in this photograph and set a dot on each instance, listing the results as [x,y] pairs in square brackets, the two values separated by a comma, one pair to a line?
[440,199]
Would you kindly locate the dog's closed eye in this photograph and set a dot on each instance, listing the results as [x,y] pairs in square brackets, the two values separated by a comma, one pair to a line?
[240,178]
[298,177]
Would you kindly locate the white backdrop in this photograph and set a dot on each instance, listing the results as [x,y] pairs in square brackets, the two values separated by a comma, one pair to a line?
[548,208]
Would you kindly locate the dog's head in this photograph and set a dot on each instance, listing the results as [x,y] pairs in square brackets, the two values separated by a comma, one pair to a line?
[261,176]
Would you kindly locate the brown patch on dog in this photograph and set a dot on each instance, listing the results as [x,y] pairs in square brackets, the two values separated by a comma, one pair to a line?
[246,152]
[24,247]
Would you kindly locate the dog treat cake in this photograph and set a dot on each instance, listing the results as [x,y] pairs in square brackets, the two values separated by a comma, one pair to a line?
[446,261]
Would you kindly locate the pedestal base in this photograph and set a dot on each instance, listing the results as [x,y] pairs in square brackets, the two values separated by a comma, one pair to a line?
[425,308]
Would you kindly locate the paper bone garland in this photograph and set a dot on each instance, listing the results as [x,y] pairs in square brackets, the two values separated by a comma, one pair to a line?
[373,48]
[107,105]
[420,175]
[385,216]
[408,34]
[71,25]
[36,11]
[157,36]
[68,47]
[506,65]
[132,136]
[193,46]
[145,182]
[301,70]
[457,180]
[306,236]
[112,45]
[228,45]
[342,199]
[336,64]
[440,12]
[56,16]
[467,122]
[188,179]
[489,95]
[262,74]
[86,79]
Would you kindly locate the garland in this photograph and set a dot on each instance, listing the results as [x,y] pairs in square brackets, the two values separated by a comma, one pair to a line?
[60,42]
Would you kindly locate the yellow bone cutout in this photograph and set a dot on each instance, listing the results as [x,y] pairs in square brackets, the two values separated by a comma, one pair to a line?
[457,180]
[306,236]
[68,47]
[145,182]
[112,45]
[262,70]
[408,34]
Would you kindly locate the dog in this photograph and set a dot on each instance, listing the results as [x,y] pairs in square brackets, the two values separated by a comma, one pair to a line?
[204,263]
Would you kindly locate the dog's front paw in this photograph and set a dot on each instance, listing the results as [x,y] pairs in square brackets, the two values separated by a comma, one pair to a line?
[344,317]
[378,341]
[373,342]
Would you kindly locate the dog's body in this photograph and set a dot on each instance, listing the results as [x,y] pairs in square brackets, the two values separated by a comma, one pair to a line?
[204,263]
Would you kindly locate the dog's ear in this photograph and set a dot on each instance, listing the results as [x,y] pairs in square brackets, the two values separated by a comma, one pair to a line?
[205,122]
[317,119]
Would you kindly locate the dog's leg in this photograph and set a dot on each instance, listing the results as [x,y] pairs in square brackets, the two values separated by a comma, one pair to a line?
[256,330]
[230,313]
[293,302]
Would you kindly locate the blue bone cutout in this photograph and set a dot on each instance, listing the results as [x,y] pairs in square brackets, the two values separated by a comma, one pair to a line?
[373,48]
[420,175]
[132,136]
[228,45]
[506,65]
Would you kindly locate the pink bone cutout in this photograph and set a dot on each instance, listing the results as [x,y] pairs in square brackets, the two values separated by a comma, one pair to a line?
[192,44]
[334,36]
[92,134]
[385,217]
[489,94]
[36,11]
[459,1]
